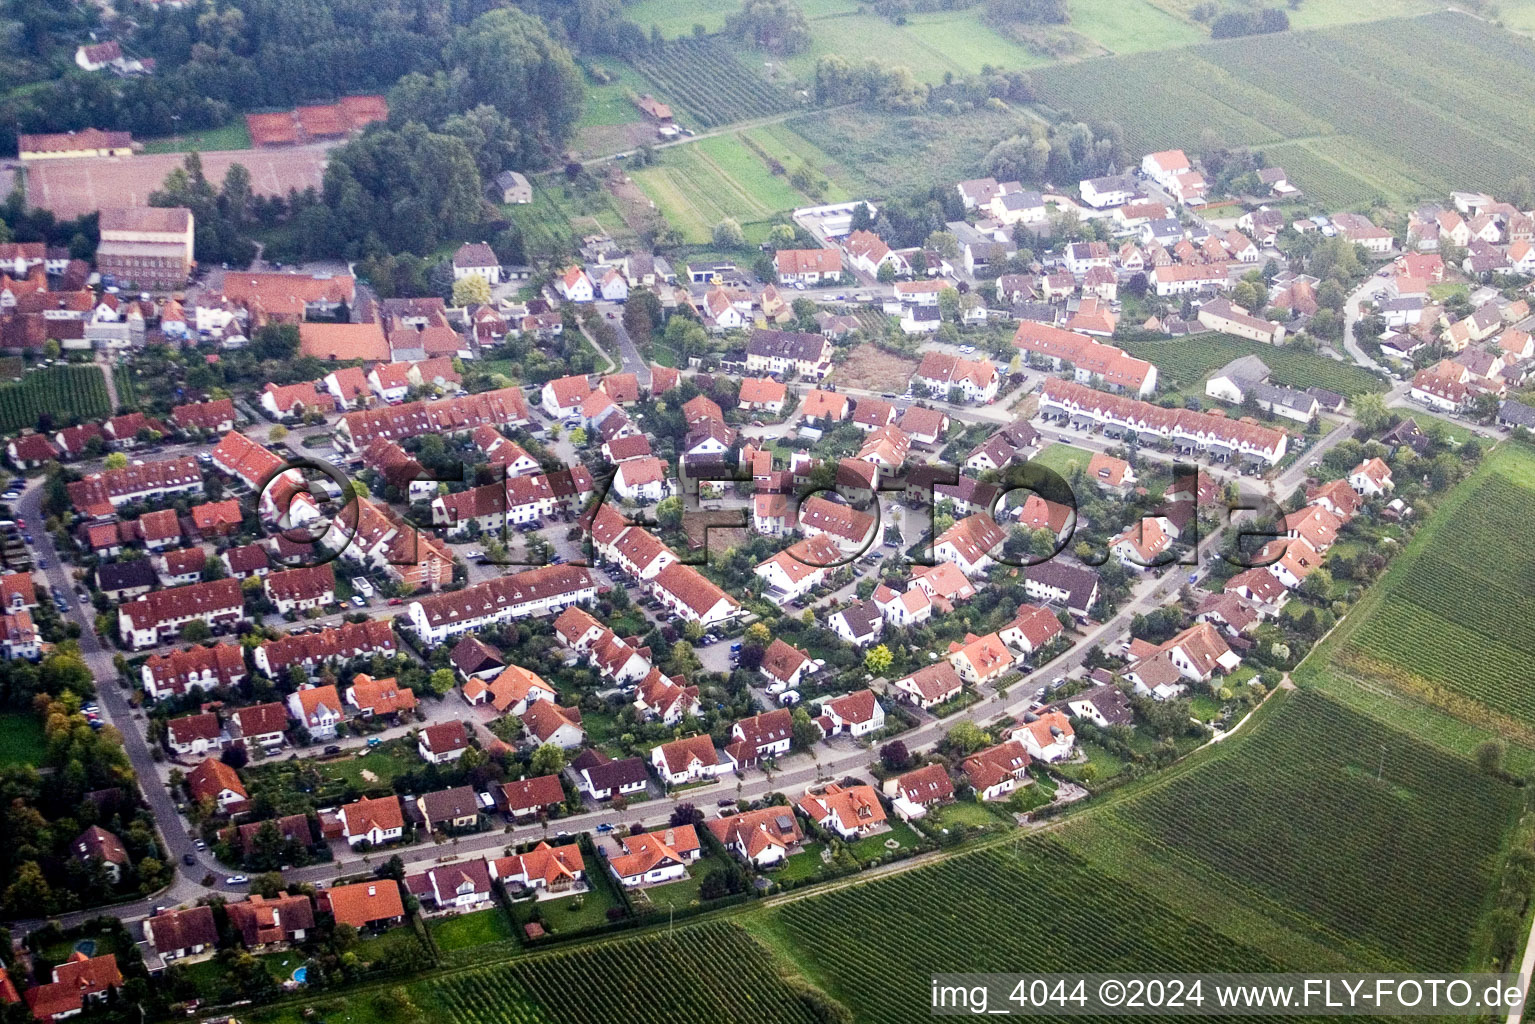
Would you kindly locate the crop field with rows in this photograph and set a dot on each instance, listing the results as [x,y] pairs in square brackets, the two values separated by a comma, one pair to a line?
[698,185]
[1356,825]
[60,391]
[1438,99]
[1187,363]
[1310,842]
[1042,908]
[705,972]
[1453,621]
[710,84]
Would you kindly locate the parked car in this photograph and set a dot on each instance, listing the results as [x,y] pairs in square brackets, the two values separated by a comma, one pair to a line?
[333,749]
[188,859]
[237,880]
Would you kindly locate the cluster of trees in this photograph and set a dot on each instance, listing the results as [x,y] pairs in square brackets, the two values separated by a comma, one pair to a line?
[510,100]
[1060,152]
[1028,12]
[83,779]
[1248,23]
[840,80]
[255,54]
[222,217]
[778,26]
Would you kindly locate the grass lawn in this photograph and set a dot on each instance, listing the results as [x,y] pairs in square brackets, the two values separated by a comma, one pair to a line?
[209,977]
[397,945]
[282,965]
[1104,764]
[58,952]
[805,864]
[683,892]
[568,913]
[21,738]
[963,812]
[1062,457]
[1129,26]
[382,762]
[872,847]
[608,105]
[233,135]
[476,929]
[676,18]
[1446,290]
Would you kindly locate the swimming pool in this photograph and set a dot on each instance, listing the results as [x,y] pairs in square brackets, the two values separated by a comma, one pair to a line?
[300,974]
[86,946]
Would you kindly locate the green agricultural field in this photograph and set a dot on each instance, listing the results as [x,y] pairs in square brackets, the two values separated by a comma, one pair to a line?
[1315,13]
[1397,113]
[676,18]
[780,142]
[1391,825]
[704,972]
[1185,364]
[560,215]
[1130,26]
[896,153]
[21,739]
[930,44]
[709,85]
[699,185]
[973,913]
[1205,868]
[62,392]
[233,135]
[1451,622]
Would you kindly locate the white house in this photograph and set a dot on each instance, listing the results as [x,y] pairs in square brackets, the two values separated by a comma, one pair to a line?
[575,286]
[375,821]
[1048,738]
[692,759]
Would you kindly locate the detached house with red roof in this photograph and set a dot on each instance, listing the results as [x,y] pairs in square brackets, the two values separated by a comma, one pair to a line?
[762,837]
[214,780]
[376,821]
[915,793]
[555,869]
[765,735]
[79,982]
[373,904]
[996,771]
[318,709]
[854,714]
[652,858]
[1371,478]
[691,759]
[931,686]
[526,798]
[849,812]
[575,286]
[1048,737]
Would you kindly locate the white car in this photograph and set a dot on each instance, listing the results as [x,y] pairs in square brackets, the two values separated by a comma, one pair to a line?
[237,880]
